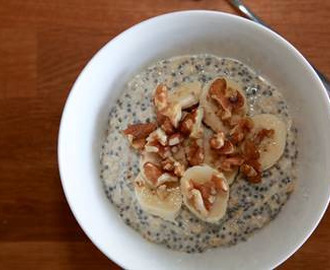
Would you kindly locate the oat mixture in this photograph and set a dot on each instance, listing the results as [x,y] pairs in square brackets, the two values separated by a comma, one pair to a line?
[251,203]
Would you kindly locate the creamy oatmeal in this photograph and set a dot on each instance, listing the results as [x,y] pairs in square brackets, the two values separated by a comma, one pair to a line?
[253,199]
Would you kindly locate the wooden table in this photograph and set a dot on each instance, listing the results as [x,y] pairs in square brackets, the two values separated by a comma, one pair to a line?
[43,47]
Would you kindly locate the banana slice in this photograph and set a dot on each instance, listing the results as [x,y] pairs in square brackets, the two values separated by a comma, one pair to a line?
[186,95]
[212,159]
[164,201]
[271,147]
[205,192]
[211,108]
[182,97]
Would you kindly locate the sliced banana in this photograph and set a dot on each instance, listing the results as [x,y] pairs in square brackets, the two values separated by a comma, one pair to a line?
[212,158]
[163,201]
[271,148]
[205,192]
[211,108]
[171,104]
[187,95]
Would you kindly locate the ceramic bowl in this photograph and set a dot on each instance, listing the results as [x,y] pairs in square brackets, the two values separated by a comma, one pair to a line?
[84,122]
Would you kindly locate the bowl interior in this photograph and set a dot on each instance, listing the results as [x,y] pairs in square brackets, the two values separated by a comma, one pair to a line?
[85,118]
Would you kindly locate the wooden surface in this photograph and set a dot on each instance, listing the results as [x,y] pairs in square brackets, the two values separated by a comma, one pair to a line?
[43,47]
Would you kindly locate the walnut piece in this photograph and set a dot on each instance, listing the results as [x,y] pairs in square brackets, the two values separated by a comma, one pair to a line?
[137,133]
[229,100]
[227,149]
[241,130]
[194,152]
[208,191]
[262,134]
[217,140]
[252,171]
[168,164]
[160,97]
[156,147]
[251,168]
[175,139]
[231,163]
[171,165]
[187,124]
[191,124]
[158,136]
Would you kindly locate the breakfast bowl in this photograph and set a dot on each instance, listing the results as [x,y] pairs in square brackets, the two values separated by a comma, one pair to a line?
[85,120]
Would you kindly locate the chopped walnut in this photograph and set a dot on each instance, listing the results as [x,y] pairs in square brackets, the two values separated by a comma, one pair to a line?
[217,140]
[209,189]
[157,143]
[166,178]
[197,130]
[205,192]
[167,126]
[187,124]
[217,90]
[201,205]
[227,149]
[219,143]
[168,164]
[262,134]
[179,155]
[251,167]
[229,99]
[242,128]
[138,144]
[191,124]
[172,165]
[175,149]
[165,151]
[137,133]
[152,147]
[219,183]
[250,150]
[165,108]
[158,136]
[194,153]
[235,99]
[156,147]
[165,123]
[252,171]
[179,169]
[174,112]
[231,163]
[248,171]
[160,97]
[175,139]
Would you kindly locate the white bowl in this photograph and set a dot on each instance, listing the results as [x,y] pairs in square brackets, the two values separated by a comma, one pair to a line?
[84,122]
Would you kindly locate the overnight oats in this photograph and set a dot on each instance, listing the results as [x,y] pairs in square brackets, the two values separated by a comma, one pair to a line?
[200,152]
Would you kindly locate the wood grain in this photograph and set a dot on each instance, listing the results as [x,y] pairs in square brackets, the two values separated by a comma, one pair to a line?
[43,47]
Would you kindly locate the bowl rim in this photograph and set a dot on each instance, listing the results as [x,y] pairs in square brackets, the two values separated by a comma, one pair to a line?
[121,35]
